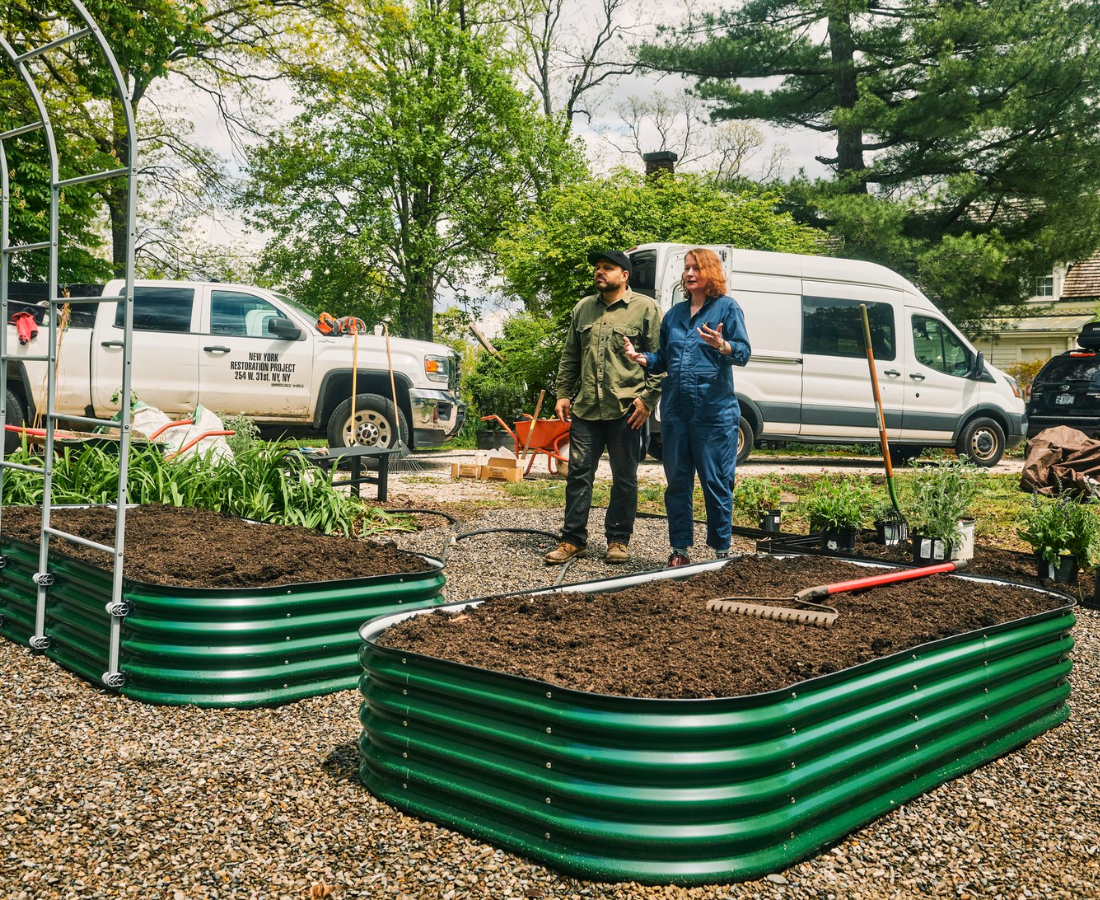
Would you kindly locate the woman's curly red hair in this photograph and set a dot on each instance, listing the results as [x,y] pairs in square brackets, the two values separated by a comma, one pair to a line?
[710,270]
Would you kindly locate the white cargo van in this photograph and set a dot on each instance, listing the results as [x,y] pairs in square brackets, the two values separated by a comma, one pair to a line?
[807,380]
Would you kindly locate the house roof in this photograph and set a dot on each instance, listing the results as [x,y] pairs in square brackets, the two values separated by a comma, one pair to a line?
[1043,324]
[1083,279]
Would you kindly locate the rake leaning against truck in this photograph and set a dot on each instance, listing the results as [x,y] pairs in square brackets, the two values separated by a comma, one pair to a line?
[238,349]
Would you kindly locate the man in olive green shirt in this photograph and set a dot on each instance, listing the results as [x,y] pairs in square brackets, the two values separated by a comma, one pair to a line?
[606,399]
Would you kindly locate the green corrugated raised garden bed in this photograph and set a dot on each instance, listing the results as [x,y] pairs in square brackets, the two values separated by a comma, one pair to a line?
[624,733]
[221,613]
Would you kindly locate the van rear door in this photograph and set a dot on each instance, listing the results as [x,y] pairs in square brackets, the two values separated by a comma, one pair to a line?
[837,400]
[938,389]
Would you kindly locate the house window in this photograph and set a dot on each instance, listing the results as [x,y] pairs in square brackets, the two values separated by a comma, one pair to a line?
[1043,286]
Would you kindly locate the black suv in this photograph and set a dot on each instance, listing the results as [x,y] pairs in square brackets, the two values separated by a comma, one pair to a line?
[1067,389]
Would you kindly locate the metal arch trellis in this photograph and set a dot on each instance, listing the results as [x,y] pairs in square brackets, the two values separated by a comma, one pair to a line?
[116,609]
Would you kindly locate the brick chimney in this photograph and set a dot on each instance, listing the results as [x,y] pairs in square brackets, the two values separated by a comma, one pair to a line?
[661,161]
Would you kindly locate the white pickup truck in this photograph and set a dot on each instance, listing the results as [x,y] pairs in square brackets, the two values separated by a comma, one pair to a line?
[241,349]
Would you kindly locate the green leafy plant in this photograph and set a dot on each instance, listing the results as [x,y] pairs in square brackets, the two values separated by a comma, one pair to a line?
[752,496]
[1063,525]
[941,495]
[264,482]
[247,433]
[837,505]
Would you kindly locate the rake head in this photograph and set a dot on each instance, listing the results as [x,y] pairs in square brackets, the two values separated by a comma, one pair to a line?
[808,614]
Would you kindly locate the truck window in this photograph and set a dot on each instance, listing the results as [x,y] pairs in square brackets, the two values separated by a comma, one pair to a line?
[643,277]
[160,309]
[832,327]
[937,347]
[236,314]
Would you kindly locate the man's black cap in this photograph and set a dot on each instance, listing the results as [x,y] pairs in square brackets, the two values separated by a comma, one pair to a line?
[615,256]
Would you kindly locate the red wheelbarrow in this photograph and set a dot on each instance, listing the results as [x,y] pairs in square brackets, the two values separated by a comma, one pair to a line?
[551,437]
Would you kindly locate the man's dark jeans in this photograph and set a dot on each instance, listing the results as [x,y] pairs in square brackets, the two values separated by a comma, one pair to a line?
[588,439]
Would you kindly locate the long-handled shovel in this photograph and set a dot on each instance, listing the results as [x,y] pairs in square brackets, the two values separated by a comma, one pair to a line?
[901,523]
[808,613]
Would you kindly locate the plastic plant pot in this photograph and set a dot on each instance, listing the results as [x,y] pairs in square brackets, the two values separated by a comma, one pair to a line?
[929,549]
[701,791]
[1064,572]
[770,520]
[965,550]
[839,540]
[891,534]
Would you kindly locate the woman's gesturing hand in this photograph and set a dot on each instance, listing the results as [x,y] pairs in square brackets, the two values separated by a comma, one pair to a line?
[633,354]
[713,337]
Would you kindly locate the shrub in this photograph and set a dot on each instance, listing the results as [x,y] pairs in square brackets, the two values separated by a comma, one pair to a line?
[1063,525]
[941,495]
[1025,372]
[752,496]
[838,505]
[265,483]
[247,432]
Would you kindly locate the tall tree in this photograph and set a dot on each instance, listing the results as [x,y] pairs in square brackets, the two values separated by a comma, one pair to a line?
[414,151]
[979,115]
[223,49]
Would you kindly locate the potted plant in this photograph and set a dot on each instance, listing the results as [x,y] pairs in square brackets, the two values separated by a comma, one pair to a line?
[1064,534]
[891,529]
[757,499]
[837,509]
[941,510]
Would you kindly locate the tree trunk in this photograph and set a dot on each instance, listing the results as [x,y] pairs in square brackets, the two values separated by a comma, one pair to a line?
[849,138]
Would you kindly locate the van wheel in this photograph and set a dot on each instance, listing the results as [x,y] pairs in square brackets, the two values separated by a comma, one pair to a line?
[982,441]
[12,441]
[656,448]
[745,439]
[373,425]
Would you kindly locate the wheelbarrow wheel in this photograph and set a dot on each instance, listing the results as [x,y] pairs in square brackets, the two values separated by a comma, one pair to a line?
[560,466]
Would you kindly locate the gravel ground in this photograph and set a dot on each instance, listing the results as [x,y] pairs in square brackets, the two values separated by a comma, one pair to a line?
[104,797]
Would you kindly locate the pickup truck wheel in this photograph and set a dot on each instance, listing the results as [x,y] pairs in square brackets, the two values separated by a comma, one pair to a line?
[374,423]
[15,417]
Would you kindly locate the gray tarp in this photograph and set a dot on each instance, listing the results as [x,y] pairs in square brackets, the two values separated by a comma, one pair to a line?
[1062,460]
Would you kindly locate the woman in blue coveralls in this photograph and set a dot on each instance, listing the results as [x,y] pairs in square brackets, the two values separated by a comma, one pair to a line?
[702,338]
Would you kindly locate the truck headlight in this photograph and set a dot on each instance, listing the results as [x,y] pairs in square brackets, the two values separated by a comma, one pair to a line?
[1012,384]
[438,368]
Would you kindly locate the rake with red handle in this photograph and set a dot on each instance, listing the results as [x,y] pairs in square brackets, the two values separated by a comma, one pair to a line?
[809,613]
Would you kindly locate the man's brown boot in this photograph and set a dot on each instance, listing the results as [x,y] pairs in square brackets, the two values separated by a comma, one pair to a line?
[616,553]
[563,554]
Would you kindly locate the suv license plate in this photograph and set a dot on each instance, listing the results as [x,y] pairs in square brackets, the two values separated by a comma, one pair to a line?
[1064,399]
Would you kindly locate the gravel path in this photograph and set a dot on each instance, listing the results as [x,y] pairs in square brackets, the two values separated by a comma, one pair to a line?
[104,797]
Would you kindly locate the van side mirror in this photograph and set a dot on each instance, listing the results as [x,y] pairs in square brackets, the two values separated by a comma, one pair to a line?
[978,369]
[283,329]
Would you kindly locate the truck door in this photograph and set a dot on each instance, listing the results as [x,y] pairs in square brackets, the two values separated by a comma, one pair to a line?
[836,388]
[165,370]
[938,390]
[244,366]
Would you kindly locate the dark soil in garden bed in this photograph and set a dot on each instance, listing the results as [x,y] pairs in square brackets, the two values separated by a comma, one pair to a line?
[992,561]
[202,549]
[659,640]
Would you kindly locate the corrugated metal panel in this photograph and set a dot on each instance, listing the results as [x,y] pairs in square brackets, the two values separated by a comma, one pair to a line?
[217,647]
[698,791]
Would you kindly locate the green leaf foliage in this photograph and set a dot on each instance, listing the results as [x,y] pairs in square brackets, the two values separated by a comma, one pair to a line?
[544,258]
[263,482]
[967,131]
[414,151]
[1062,525]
